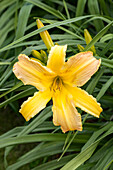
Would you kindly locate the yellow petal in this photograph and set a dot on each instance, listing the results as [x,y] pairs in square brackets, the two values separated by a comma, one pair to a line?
[56,58]
[33,73]
[85,101]
[35,104]
[79,68]
[45,36]
[65,113]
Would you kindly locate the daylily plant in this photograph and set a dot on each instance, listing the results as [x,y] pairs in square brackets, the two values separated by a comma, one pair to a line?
[60,81]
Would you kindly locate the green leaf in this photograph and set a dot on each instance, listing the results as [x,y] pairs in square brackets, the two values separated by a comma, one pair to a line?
[85,154]
[45,7]
[4,4]
[12,89]
[22,94]
[93,83]
[45,28]
[54,164]
[22,23]
[104,88]
[93,7]
[80,7]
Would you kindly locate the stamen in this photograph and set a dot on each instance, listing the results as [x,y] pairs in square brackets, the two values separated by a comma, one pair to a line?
[57,84]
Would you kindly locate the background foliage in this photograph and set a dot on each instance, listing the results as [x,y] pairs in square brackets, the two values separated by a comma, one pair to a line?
[66,20]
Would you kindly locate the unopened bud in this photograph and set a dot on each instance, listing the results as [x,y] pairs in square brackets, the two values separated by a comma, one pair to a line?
[37,55]
[45,35]
[38,61]
[44,55]
[88,39]
[80,47]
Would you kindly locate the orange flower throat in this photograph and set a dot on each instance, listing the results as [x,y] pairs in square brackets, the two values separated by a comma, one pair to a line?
[57,84]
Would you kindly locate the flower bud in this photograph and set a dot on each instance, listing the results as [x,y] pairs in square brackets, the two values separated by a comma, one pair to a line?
[45,35]
[88,39]
[80,47]
[44,55]
[38,61]
[37,55]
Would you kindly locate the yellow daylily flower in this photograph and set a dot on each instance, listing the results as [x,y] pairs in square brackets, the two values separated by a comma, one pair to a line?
[60,81]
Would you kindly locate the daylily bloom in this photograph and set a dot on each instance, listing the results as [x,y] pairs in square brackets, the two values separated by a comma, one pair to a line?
[60,81]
